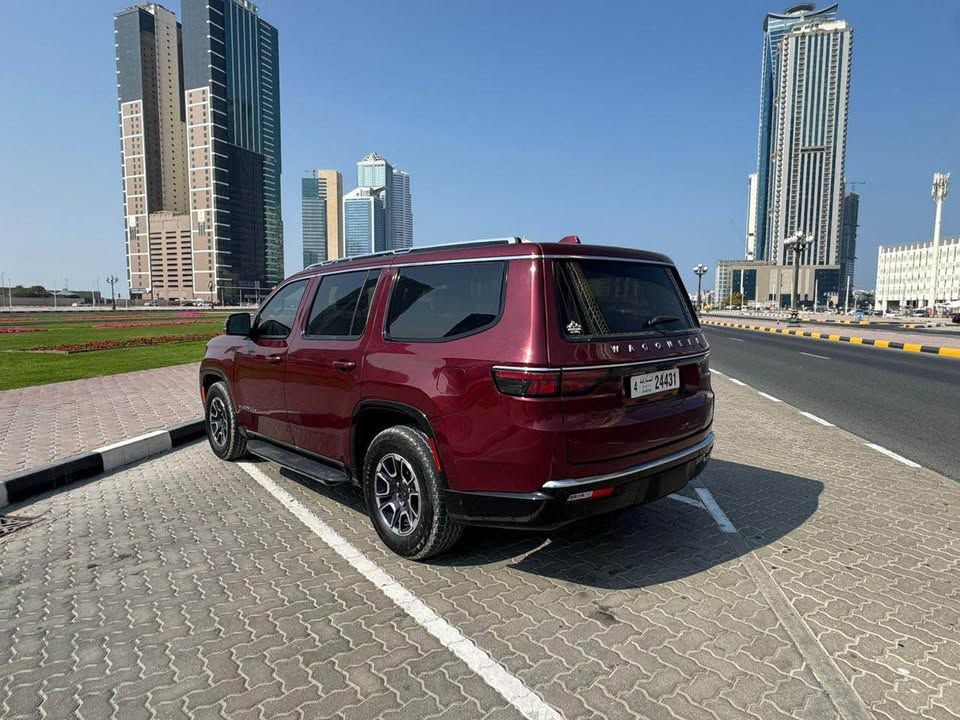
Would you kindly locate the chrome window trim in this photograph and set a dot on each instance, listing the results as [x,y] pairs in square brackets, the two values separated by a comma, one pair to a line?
[705,444]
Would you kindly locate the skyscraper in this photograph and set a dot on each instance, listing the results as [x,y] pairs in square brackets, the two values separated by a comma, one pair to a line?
[322,195]
[848,238]
[364,221]
[401,207]
[232,84]
[200,143]
[804,92]
[373,171]
[153,150]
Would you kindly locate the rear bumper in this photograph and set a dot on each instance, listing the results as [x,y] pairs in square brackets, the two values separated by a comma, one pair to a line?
[552,506]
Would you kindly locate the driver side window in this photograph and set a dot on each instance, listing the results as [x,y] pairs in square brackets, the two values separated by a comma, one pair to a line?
[275,319]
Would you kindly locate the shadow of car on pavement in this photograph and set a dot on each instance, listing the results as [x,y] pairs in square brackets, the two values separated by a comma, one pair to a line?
[644,545]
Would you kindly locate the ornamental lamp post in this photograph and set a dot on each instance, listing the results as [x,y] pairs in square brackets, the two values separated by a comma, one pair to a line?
[111,281]
[700,270]
[798,243]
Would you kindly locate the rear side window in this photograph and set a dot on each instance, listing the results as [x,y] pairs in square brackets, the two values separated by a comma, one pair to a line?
[443,302]
[610,298]
[341,304]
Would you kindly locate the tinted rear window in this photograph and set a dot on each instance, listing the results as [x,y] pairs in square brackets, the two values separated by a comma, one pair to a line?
[442,302]
[609,298]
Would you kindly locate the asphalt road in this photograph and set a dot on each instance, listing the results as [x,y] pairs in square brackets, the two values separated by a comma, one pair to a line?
[906,402]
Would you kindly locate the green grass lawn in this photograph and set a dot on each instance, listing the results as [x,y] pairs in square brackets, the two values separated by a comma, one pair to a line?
[20,369]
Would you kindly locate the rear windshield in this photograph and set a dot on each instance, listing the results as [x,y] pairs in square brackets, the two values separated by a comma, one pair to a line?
[610,298]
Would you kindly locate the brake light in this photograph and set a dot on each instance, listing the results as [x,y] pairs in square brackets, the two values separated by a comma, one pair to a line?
[591,494]
[581,382]
[690,374]
[547,383]
[527,383]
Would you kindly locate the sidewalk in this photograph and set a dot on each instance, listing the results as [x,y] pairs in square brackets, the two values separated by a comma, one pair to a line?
[44,423]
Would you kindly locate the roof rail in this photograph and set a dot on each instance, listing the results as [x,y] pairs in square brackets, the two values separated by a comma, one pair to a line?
[422,248]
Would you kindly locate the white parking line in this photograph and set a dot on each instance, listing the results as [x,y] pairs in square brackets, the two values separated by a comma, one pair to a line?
[769,397]
[816,419]
[706,497]
[735,381]
[821,357]
[736,339]
[891,453]
[525,700]
[685,499]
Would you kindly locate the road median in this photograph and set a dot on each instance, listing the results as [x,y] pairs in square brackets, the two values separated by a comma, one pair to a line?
[944,351]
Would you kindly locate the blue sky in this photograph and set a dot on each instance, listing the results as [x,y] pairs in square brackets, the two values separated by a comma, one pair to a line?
[628,123]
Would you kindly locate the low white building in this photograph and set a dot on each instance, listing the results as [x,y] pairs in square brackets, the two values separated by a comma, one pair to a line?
[905,275]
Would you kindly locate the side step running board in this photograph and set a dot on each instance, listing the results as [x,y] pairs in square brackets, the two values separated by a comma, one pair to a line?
[313,469]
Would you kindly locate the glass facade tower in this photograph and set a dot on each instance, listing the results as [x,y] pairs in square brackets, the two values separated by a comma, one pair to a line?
[364,221]
[804,90]
[232,88]
[322,198]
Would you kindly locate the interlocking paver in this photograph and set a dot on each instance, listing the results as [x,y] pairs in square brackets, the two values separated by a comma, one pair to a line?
[177,588]
[43,423]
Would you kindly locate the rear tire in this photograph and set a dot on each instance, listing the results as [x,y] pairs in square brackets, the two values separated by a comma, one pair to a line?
[404,495]
[223,431]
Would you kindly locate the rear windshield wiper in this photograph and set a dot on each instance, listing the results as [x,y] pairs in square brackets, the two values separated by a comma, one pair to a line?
[660,319]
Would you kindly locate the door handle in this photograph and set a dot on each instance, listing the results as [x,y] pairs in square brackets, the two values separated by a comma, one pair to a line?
[275,358]
[344,365]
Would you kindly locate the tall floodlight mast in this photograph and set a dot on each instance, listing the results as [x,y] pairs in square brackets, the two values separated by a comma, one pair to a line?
[941,184]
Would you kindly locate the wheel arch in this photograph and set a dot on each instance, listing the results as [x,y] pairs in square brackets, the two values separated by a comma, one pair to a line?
[370,417]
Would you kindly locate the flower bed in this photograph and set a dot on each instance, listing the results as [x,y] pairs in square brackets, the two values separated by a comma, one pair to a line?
[190,313]
[145,323]
[124,343]
[11,330]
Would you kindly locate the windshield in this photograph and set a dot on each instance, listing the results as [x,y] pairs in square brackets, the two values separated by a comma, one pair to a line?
[610,298]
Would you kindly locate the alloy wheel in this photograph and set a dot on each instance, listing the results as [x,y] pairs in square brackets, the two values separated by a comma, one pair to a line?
[397,492]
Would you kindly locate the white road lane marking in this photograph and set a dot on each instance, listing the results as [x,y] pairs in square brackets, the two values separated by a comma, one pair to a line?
[891,453]
[816,419]
[720,517]
[769,397]
[716,372]
[736,382]
[685,499]
[525,700]
[736,339]
[821,357]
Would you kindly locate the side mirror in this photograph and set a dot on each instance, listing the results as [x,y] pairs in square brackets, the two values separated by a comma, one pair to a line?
[238,324]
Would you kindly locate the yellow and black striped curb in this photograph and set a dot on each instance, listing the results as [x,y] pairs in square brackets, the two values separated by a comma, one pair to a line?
[889,344]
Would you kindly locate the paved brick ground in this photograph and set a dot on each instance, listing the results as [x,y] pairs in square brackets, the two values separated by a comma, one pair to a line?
[43,423]
[179,588]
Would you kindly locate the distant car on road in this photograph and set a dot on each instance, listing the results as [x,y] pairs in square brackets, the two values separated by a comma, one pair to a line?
[499,383]
[78,303]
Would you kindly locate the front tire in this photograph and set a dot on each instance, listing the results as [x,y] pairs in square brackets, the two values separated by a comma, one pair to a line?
[223,431]
[404,495]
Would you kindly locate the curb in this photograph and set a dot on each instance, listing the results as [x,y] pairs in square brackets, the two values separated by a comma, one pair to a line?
[27,483]
[889,344]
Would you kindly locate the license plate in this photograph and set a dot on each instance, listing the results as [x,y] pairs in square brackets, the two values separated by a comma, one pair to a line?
[655,382]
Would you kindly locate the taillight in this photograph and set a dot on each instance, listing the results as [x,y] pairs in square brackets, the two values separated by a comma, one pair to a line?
[581,382]
[547,383]
[690,375]
[527,383]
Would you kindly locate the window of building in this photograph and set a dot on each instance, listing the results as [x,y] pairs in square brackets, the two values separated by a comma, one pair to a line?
[342,304]
[443,302]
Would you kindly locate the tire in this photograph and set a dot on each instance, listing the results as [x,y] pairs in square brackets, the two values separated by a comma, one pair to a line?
[398,466]
[223,432]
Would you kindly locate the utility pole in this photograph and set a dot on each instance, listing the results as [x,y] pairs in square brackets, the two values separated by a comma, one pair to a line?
[700,270]
[816,293]
[846,298]
[941,184]
[112,280]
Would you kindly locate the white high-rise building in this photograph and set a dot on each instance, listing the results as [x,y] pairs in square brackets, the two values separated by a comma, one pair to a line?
[751,247]
[401,206]
[808,141]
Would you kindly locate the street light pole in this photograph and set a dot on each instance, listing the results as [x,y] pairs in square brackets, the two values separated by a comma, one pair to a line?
[798,243]
[112,280]
[700,270]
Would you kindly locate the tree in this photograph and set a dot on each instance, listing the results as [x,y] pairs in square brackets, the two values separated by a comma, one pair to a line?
[33,291]
[736,300]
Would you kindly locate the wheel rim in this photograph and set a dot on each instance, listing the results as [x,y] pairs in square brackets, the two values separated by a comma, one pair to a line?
[218,422]
[397,492]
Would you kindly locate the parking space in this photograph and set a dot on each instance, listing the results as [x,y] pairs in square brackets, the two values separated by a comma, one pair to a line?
[187,587]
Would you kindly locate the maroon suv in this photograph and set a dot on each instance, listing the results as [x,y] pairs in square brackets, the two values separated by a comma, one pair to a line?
[502,383]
